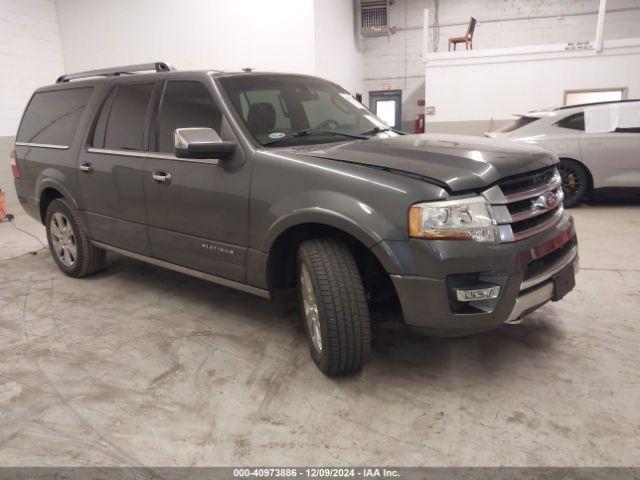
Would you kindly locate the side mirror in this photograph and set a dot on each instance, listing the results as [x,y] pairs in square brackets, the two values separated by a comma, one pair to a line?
[201,142]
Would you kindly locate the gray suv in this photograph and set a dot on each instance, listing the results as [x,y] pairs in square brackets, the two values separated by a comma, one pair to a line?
[286,187]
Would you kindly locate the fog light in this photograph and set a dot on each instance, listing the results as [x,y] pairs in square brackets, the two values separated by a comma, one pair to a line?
[485,293]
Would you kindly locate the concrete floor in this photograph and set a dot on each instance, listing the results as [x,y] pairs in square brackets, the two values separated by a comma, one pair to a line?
[142,366]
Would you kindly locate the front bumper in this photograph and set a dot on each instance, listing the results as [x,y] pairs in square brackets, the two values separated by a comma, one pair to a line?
[525,269]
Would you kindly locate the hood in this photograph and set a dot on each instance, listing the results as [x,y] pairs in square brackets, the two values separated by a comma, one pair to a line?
[457,162]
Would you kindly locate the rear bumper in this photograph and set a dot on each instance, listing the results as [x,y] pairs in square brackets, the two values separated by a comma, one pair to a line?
[24,192]
[525,271]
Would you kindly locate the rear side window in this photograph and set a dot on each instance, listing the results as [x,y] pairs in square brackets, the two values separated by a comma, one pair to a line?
[53,117]
[185,105]
[121,122]
[516,124]
[574,122]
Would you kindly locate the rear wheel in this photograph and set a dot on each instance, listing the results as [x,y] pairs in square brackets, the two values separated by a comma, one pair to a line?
[70,246]
[575,182]
[333,305]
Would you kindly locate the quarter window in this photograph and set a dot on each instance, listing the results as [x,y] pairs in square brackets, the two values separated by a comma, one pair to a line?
[185,105]
[53,117]
[574,122]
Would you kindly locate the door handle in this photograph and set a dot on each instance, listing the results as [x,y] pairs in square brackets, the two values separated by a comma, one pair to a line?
[162,177]
[86,167]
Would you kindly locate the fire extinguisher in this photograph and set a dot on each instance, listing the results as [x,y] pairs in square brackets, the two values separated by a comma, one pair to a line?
[420,123]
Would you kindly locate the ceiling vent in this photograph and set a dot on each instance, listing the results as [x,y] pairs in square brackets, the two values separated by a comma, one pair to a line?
[374,17]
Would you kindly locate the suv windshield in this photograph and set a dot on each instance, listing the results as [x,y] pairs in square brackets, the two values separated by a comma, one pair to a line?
[285,110]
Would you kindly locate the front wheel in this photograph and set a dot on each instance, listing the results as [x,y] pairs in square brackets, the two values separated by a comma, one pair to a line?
[575,182]
[334,306]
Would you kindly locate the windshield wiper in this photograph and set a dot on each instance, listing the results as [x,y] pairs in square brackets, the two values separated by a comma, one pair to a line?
[310,131]
[382,129]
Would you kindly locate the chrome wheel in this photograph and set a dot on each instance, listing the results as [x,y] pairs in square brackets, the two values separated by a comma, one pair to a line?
[63,239]
[312,318]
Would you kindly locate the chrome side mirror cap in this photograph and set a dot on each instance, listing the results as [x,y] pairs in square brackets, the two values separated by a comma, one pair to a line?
[201,143]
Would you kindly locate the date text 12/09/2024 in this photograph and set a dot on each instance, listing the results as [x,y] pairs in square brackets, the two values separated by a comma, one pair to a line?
[316,472]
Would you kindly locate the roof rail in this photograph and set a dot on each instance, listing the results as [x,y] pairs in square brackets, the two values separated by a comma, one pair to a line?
[115,71]
[565,107]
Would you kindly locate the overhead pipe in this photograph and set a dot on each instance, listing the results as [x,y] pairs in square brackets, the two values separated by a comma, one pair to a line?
[514,19]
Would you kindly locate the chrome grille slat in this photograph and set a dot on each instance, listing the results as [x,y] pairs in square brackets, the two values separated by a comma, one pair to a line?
[529,213]
[553,184]
[525,206]
[541,227]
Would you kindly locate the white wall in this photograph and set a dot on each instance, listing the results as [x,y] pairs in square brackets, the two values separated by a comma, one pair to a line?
[30,55]
[302,36]
[496,83]
[194,34]
[337,45]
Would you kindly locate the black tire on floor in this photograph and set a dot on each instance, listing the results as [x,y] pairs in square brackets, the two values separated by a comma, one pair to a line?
[88,258]
[342,310]
[575,182]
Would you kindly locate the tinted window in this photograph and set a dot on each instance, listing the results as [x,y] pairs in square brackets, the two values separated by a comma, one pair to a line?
[185,105]
[516,124]
[126,117]
[53,117]
[574,122]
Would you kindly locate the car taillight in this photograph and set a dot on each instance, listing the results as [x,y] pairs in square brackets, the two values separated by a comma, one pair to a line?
[14,164]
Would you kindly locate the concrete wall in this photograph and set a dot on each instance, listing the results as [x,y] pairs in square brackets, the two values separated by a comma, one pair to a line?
[495,83]
[337,44]
[31,56]
[568,21]
[396,61]
[516,80]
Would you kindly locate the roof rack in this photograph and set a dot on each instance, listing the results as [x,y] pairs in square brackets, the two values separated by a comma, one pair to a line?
[115,71]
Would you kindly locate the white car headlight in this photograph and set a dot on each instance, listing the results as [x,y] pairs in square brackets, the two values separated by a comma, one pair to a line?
[466,219]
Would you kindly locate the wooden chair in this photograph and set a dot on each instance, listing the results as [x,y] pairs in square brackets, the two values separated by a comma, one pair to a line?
[467,39]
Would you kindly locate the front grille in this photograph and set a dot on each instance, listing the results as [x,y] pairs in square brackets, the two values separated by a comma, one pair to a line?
[528,204]
[523,226]
[529,181]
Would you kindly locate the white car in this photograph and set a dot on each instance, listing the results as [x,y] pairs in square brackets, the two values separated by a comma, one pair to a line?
[598,145]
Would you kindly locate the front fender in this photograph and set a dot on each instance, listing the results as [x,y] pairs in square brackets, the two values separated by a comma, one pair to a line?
[340,211]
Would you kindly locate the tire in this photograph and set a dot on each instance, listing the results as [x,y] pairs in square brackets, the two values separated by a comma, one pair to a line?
[343,325]
[575,182]
[69,243]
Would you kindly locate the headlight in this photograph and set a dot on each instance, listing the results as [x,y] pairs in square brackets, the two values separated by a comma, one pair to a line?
[466,219]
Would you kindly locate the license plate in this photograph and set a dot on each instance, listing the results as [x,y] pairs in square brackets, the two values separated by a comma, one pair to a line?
[563,282]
